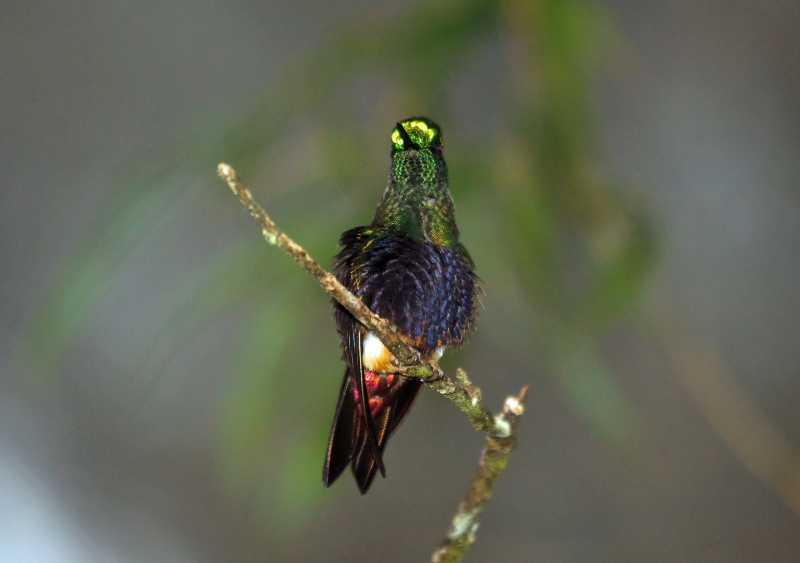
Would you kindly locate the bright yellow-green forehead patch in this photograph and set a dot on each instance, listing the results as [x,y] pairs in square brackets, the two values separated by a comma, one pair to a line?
[397,140]
[422,133]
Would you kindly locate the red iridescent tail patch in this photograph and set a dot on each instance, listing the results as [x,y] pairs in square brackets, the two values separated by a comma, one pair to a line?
[380,390]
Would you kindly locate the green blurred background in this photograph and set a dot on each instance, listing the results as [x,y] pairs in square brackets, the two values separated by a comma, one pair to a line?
[625,176]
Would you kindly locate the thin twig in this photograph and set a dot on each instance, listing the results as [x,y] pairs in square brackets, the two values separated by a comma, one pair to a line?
[274,236]
[466,396]
[493,460]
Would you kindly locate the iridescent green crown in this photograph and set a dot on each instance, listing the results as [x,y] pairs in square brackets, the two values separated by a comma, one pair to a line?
[416,133]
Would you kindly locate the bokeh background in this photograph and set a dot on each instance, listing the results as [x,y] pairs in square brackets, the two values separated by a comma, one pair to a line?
[626,179]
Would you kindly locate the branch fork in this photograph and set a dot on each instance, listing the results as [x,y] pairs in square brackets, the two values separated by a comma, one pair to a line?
[467,397]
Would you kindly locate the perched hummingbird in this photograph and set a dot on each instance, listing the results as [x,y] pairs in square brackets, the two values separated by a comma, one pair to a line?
[408,267]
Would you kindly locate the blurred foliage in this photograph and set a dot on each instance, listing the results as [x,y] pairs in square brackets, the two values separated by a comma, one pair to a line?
[561,251]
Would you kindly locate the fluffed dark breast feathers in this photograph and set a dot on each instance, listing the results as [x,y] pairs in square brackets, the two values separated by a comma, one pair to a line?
[429,292]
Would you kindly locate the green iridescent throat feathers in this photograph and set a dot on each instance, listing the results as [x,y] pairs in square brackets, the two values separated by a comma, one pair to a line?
[417,201]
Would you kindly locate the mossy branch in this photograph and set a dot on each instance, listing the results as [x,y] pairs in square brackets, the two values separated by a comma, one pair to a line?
[467,397]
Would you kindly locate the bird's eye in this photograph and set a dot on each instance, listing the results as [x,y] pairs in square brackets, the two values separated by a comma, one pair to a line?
[436,150]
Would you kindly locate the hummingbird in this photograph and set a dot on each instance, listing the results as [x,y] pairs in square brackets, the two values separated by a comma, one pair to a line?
[408,267]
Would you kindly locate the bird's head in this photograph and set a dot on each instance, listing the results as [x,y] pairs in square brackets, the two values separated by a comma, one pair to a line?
[417,200]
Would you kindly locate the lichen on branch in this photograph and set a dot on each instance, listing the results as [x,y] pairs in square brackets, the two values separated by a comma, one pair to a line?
[461,391]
